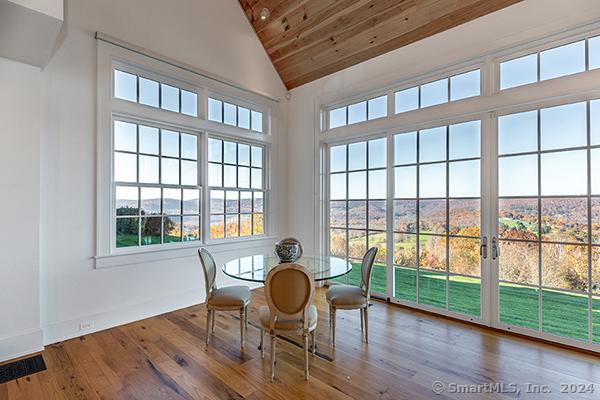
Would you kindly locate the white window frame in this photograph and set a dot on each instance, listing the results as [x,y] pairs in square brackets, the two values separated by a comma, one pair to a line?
[113,54]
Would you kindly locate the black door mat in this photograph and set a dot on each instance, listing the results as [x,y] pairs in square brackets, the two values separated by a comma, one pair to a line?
[21,368]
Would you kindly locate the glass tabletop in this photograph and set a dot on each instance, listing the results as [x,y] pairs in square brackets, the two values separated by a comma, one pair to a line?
[255,268]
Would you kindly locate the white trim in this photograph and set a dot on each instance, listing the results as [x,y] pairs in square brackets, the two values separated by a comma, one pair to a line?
[21,343]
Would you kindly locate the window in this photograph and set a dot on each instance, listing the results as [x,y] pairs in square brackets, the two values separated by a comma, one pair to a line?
[551,63]
[358,112]
[157,193]
[155,94]
[357,207]
[237,193]
[234,115]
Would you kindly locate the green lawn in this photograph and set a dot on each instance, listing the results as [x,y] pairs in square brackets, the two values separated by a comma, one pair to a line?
[564,314]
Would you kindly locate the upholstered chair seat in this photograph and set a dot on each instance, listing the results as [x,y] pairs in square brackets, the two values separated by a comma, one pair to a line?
[230,296]
[346,295]
[288,325]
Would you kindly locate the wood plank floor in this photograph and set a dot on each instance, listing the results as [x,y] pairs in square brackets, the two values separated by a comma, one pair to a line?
[164,358]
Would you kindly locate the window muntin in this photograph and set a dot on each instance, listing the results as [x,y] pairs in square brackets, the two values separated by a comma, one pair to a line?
[568,59]
[237,193]
[456,87]
[231,114]
[361,111]
[157,193]
[137,89]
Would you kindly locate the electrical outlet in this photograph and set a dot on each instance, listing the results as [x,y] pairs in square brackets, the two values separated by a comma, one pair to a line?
[86,325]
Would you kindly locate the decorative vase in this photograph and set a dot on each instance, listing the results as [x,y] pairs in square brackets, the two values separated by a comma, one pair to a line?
[287,252]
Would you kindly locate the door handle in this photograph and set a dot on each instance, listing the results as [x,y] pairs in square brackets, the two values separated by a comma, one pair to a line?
[483,248]
[495,248]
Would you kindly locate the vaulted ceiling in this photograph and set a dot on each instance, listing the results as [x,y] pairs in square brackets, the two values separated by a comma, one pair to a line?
[309,39]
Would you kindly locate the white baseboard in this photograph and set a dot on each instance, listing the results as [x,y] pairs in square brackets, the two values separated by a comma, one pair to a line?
[21,344]
[70,329]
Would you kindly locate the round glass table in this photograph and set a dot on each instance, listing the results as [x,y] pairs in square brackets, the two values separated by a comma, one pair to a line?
[255,268]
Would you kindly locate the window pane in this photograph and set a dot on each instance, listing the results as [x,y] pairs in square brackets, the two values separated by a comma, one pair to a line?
[465,140]
[243,118]
[191,201]
[231,226]
[169,171]
[596,225]
[464,295]
[148,92]
[244,177]
[217,201]
[357,112]
[257,156]
[170,143]
[432,144]
[246,202]
[189,103]
[565,266]
[215,174]
[433,253]
[126,200]
[258,224]
[215,150]
[258,202]
[337,117]
[189,173]
[337,242]
[517,176]
[573,323]
[406,100]
[171,229]
[257,122]
[564,173]
[563,126]
[464,179]
[465,85]
[595,169]
[434,93]
[563,60]
[594,53]
[246,225]
[405,215]
[151,230]
[518,218]
[230,176]
[357,214]
[564,220]
[432,180]
[517,72]
[125,167]
[148,169]
[232,205]
[357,155]
[171,201]
[189,146]
[595,121]
[377,184]
[432,288]
[517,133]
[405,148]
[378,107]
[256,178]
[405,182]
[377,153]
[337,158]
[191,228]
[125,136]
[464,256]
[432,216]
[127,232]
[405,254]
[337,214]
[465,217]
[148,140]
[229,114]
[217,226]
[357,244]
[377,215]
[357,185]
[230,153]
[378,240]
[125,86]
[337,186]
[243,154]
[215,110]
[519,262]
[169,97]
[519,305]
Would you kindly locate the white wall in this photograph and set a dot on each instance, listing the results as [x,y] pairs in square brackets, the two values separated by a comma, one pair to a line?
[19,201]
[210,35]
[514,25]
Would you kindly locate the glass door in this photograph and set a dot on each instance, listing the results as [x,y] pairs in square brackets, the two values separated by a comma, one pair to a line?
[437,218]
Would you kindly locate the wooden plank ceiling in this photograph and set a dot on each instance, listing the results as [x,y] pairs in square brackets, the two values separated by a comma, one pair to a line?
[309,39]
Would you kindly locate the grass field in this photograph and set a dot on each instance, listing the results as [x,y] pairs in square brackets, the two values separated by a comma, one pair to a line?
[564,314]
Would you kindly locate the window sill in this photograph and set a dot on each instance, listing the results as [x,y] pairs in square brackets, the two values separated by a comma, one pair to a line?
[152,255]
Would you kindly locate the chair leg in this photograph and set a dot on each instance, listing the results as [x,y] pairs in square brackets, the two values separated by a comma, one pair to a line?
[246,317]
[305,338]
[273,350]
[242,328]
[207,326]
[366,316]
[362,318]
[314,342]
[212,322]
[262,343]
[333,325]
[330,312]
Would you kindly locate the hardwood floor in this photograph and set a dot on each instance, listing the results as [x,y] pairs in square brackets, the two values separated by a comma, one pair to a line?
[164,358]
